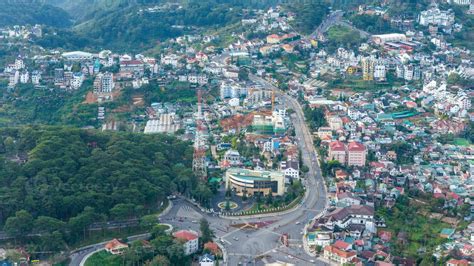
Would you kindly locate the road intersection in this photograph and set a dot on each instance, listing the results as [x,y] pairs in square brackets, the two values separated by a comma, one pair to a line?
[243,246]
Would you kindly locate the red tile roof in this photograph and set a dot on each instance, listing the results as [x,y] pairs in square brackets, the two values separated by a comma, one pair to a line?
[356,146]
[341,245]
[341,253]
[186,235]
[337,146]
[114,244]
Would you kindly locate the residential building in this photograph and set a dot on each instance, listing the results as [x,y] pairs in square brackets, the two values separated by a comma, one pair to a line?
[231,158]
[253,181]
[356,154]
[36,77]
[104,83]
[335,123]
[207,260]
[435,16]
[24,77]
[76,80]
[290,169]
[116,247]
[324,132]
[337,151]
[132,66]
[190,240]
[58,76]
[462,2]
[320,236]
[19,64]
[368,68]
[340,256]
[380,72]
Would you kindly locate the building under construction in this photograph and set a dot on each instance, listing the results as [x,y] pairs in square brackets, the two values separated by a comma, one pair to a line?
[269,123]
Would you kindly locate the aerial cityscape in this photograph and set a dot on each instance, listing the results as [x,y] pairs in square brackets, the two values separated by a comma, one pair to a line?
[219,132]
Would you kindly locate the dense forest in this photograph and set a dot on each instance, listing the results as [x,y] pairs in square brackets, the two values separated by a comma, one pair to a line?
[60,180]
[32,12]
[309,14]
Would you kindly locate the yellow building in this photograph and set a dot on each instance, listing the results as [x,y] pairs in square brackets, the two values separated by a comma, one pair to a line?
[368,68]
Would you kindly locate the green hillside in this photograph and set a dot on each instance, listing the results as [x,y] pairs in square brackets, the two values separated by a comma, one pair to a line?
[24,12]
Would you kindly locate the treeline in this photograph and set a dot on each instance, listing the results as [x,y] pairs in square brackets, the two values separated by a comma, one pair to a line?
[127,28]
[309,14]
[32,12]
[57,181]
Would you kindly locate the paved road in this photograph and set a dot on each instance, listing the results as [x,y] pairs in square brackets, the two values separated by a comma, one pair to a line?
[243,246]
[79,256]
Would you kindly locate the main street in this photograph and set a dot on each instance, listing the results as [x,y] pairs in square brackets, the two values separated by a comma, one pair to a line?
[242,246]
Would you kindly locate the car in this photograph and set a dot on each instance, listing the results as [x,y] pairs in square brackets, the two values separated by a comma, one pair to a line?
[290,257]
[194,222]
[235,238]
[297,223]
[312,261]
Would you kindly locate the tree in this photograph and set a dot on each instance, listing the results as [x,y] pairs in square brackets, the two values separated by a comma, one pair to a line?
[160,260]
[9,144]
[176,253]
[269,199]
[19,225]
[206,231]
[243,74]
[45,224]
[148,220]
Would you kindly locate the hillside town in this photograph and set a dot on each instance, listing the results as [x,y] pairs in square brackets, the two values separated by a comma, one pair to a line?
[390,117]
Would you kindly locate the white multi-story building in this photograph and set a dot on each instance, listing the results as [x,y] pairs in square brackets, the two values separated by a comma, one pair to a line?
[190,239]
[36,77]
[24,77]
[104,83]
[290,169]
[435,16]
[380,72]
[171,59]
[232,158]
[14,78]
[19,64]
[462,2]
[229,89]
[76,80]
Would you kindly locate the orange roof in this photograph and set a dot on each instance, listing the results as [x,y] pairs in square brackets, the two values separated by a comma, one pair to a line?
[341,244]
[213,247]
[114,244]
[185,235]
[340,253]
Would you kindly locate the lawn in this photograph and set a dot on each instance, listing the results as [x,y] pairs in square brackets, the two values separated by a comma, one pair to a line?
[462,142]
[103,258]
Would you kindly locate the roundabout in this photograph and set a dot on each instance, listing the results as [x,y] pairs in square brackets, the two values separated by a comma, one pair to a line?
[230,205]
